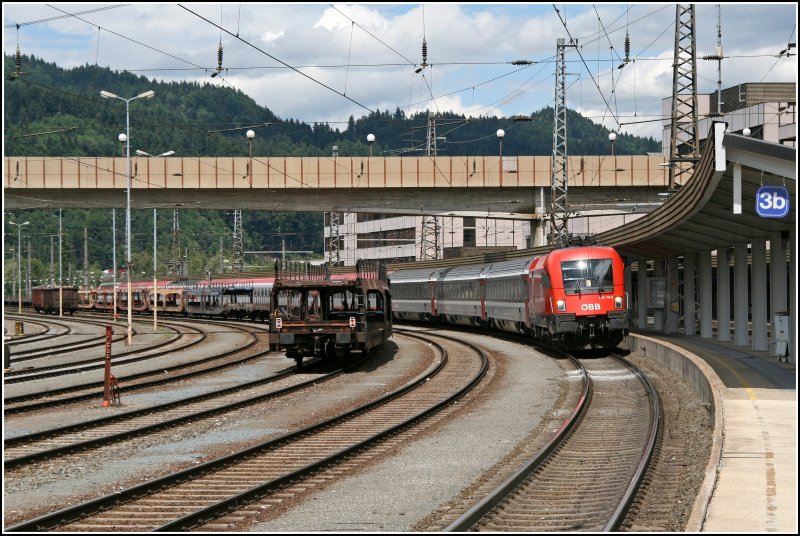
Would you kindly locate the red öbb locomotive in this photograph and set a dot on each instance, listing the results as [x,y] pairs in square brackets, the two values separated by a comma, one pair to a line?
[572,298]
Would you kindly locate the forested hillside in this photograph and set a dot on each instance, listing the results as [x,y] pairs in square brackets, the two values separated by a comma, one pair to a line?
[50,111]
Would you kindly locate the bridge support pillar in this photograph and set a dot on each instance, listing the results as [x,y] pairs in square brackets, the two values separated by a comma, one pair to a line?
[777,280]
[792,358]
[758,291]
[689,270]
[643,299]
[724,294]
[740,298]
[673,299]
[658,312]
[706,295]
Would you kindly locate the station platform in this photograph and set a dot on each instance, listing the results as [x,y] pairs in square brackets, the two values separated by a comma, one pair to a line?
[751,477]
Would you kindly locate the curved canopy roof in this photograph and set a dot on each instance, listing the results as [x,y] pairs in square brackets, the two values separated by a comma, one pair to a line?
[701,216]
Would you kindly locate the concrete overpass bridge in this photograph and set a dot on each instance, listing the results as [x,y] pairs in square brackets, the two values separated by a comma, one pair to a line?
[512,187]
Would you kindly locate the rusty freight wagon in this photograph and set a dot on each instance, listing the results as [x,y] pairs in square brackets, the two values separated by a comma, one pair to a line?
[47,299]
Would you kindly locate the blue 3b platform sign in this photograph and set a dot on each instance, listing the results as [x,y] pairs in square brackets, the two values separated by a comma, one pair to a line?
[772,202]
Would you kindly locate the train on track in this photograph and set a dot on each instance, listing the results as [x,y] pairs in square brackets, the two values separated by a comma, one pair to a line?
[316,314]
[227,298]
[571,298]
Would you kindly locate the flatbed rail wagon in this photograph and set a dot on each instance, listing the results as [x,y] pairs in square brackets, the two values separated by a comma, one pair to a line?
[314,314]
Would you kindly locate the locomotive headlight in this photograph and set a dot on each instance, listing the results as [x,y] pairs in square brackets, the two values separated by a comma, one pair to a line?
[617,302]
[561,305]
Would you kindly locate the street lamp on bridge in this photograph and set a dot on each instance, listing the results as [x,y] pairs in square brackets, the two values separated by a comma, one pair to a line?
[500,135]
[250,135]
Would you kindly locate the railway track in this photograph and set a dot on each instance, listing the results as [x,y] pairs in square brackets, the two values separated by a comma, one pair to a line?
[39,352]
[159,374]
[98,433]
[42,335]
[81,364]
[587,476]
[200,494]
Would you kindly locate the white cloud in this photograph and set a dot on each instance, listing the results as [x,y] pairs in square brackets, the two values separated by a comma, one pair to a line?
[271,37]
[370,65]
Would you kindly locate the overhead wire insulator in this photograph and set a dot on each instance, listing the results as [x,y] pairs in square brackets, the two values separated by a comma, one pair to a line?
[219,58]
[522,62]
[627,47]
[424,57]
[18,63]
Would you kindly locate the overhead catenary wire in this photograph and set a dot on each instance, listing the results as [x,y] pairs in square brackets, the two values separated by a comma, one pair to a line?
[128,38]
[564,23]
[276,59]
[39,21]
[781,55]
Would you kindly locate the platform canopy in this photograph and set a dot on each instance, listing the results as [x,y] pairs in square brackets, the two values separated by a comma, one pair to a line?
[717,207]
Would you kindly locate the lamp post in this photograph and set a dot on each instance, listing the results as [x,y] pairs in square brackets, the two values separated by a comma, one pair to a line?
[126,138]
[155,220]
[60,271]
[612,137]
[250,136]
[155,281]
[371,140]
[19,261]
[500,135]
[114,257]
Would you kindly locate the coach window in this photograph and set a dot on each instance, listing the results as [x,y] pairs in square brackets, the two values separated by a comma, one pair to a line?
[374,304]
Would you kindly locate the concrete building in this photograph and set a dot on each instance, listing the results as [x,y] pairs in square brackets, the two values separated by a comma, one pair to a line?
[395,239]
[766,109]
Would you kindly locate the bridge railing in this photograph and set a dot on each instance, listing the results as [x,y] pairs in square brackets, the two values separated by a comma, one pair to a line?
[318,172]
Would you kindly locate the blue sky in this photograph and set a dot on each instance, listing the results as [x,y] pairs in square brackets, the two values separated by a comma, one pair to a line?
[360,57]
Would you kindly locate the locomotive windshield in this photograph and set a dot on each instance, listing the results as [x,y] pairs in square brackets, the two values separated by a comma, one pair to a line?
[593,275]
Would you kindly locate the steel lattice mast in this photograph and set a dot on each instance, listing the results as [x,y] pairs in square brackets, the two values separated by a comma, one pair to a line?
[334,237]
[238,245]
[559,234]
[429,240]
[684,141]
